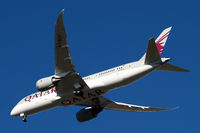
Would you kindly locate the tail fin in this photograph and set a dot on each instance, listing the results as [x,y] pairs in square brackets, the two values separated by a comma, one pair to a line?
[159,43]
[169,67]
[161,40]
[154,50]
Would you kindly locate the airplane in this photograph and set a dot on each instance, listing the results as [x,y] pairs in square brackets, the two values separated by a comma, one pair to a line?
[66,87]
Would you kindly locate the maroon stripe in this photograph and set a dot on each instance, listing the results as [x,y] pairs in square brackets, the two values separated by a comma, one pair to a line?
[163,37]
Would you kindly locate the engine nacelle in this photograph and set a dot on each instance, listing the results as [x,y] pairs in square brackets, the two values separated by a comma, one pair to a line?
[87,114]
[46,83]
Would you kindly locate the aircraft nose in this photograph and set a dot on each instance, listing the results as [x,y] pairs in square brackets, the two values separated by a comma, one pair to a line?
[14,112]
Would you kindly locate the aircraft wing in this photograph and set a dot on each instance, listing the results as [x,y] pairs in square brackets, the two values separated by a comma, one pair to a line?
[112,105]
[63,60]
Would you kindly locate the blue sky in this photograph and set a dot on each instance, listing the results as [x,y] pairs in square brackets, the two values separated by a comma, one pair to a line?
[102,34]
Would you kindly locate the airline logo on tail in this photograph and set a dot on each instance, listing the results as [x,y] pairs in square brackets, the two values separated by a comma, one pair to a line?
[161,40]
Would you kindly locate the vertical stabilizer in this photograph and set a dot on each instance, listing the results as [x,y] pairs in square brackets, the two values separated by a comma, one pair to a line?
[159,43]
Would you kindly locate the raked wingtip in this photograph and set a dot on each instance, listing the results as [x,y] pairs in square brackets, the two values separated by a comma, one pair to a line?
[62,11]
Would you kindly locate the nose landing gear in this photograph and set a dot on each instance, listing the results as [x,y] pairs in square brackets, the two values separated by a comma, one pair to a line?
[23,117]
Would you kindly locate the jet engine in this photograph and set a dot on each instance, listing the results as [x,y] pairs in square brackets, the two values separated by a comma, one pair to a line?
[88,113]
[46,83]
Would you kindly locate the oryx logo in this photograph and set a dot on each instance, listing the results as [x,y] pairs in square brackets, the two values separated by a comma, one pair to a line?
[161,40]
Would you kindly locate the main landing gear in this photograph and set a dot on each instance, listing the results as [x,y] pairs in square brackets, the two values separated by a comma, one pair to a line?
[78,90]
[96,107]
[23,117]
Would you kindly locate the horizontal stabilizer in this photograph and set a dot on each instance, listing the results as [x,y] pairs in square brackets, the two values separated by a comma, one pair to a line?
[152,54]
[169,67]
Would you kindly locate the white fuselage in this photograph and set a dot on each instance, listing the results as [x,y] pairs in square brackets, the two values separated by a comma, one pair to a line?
[99,83]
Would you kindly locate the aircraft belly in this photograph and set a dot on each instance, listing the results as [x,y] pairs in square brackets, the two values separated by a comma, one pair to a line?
[111,81]
[125,77]
[129,77]
[97,83]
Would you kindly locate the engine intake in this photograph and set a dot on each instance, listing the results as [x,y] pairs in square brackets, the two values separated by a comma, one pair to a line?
[46,83]
[87,114]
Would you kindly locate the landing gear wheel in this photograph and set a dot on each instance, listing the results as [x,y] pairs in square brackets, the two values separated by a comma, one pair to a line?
[96,107]
[24,119]
[78,90]
[78,93]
